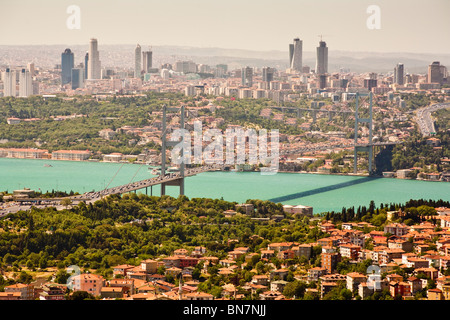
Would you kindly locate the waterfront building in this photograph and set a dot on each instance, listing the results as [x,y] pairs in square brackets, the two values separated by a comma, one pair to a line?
[24,153]
[76,155]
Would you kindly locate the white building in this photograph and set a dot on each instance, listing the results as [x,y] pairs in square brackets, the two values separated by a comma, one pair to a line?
[25,83]
[137,61]
[9,83]
[295,55]
[94,64]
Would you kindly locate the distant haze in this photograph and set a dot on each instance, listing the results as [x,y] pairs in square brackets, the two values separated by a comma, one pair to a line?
[122,56]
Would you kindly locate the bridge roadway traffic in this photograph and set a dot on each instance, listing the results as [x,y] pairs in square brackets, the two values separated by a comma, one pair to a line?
[424,120]
[94,195]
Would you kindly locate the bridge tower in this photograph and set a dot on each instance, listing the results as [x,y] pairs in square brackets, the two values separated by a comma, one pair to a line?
[366,147]
[167,143]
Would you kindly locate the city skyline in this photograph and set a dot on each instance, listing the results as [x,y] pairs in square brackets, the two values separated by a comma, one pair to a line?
[197,24]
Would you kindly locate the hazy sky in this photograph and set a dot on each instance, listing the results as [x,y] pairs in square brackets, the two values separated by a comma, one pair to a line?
[420,26]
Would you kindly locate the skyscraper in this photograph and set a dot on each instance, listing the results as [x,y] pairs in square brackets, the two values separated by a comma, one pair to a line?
[399,72]
[25,83]
[147,61]
[434,73]
[247,76]
[137,61]
[322,58]
[67,63]
[86,61]
[295,55]
[30,67]
[9,83]
[77,78]
[94,65]
[267,74]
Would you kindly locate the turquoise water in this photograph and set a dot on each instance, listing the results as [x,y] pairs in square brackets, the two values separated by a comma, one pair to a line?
[322,192]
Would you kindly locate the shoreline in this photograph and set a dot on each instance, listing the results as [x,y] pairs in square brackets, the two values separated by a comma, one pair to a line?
[281,171]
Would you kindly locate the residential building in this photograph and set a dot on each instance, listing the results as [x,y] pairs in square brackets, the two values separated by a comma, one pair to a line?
[26,290]
[88,282]
[350,251]
[52,291]
[354,279]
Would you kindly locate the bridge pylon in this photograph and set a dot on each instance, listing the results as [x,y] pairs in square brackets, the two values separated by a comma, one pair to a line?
[368,147]
[167,143]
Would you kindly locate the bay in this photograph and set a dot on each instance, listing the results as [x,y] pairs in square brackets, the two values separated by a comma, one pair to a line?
[322,192]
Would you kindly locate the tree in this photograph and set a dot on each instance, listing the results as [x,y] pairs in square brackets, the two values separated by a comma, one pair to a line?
[295,288]
[25,277]
[81,295]
[66,202]
[62,276]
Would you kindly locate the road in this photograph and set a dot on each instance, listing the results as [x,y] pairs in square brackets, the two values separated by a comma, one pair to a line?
[424,119]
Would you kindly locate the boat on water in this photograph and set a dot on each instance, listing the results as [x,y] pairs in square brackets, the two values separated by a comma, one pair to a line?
[155,171]
[47,165]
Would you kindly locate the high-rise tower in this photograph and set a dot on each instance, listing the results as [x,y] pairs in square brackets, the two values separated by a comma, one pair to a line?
[147,60]
[67,64]
[25,83]
[399,74]
[322,58]
[9,83]
[267,74]
[94,65]
[295,55]
[86,61]
[137,61]
[435,74]
[247,76]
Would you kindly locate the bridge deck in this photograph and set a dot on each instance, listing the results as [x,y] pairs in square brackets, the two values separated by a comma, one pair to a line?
[169,177]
